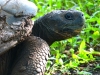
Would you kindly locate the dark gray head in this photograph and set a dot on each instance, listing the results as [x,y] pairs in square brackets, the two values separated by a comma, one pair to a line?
[59,25]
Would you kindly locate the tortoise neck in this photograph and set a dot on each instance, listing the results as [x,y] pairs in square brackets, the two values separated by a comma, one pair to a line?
[40,30]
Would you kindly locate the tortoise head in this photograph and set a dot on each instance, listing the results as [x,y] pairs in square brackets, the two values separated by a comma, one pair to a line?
[59,25]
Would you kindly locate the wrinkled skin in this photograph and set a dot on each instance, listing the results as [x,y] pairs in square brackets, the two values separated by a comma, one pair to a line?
[30,56]
[58,25]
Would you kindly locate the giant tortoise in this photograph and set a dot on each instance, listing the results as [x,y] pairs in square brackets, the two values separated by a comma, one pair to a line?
[28,56]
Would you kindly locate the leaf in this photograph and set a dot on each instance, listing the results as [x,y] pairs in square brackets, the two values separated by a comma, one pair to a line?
[60,61]
[74,56]
[98,21]
[82,45]
[96,34]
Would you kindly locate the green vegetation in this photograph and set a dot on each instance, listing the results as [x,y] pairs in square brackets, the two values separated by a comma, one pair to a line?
[80,54]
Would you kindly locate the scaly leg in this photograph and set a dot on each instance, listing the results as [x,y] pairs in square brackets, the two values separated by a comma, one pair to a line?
[33,57]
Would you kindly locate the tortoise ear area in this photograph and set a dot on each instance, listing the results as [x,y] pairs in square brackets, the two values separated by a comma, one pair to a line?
[69,16]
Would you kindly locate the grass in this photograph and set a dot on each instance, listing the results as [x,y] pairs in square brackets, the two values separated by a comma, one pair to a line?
[74,55]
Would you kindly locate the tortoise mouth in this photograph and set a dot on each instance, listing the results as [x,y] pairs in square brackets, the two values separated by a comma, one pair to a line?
[70,30]
[78,30]
[68,33]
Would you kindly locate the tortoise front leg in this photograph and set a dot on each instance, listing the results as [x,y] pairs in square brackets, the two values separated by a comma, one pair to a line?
[32,60]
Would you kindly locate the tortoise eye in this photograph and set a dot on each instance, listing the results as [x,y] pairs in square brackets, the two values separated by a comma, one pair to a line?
[69,16]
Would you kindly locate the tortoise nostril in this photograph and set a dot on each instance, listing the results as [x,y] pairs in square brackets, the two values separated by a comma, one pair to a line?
[69,16]
[82,14]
